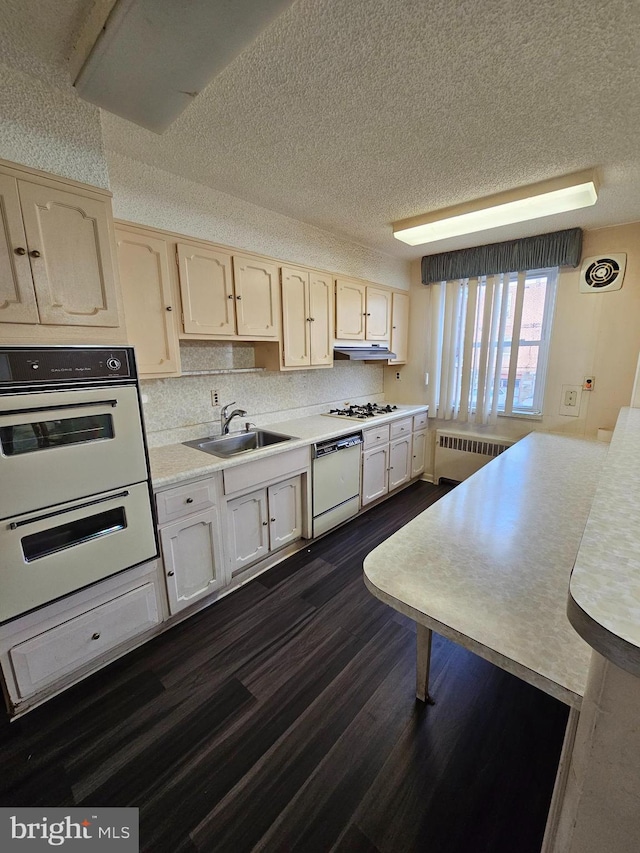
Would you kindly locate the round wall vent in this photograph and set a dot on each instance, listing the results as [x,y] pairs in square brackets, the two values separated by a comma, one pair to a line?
[602,273]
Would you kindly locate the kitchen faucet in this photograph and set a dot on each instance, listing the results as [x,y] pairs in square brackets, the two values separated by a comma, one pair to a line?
[226,420]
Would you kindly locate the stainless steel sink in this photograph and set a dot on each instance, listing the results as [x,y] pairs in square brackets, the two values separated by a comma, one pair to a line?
[241,442]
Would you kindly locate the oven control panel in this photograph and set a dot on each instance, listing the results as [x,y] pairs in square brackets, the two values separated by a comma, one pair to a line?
[46,366]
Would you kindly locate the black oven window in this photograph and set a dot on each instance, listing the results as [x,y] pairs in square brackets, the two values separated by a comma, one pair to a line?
[46,542]
[27,438]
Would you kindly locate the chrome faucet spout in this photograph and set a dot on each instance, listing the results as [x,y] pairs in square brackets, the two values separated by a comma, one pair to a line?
[225,419]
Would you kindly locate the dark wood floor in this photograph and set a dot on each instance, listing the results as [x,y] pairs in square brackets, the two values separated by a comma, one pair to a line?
[283,718]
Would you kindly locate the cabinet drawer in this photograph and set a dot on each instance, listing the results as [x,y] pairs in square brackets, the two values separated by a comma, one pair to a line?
[420,421]
[374,437]
[271,468]
[45,658]
[176,503]
[402,427]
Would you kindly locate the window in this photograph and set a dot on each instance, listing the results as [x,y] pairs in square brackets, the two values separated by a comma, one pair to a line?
[489,345]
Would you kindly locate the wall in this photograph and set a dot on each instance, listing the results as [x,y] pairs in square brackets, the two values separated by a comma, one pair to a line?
[179,409]
[594,334]
[150,196]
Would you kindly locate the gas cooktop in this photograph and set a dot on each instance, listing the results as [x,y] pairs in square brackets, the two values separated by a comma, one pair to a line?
[362,411]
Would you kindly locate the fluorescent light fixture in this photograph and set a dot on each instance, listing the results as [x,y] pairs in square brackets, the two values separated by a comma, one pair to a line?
[557,195]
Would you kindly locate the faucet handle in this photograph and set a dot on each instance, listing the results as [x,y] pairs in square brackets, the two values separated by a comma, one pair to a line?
[224,408]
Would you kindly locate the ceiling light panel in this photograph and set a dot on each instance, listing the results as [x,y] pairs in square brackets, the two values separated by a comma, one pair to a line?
[558,195]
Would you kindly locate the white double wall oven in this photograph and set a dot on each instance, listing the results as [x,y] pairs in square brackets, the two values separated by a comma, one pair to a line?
[75,500]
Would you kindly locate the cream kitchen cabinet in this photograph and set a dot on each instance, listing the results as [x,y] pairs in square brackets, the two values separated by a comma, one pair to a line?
[399,327]
[191,543]
[351,310]
[307,323]
[375,473]
[147,293]
[227,295]
[363,311]
[417,452]
[264,521]
[57,259]
[55,646]
[388,457]
[307,318]
[419,444]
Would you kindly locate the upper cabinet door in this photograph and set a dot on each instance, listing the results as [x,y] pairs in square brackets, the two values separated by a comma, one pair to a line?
[206,287]
[148,302]
[70,251]
[399,327]
[378,314]
[17,296]
[350,309]
[321,318]
[295,318]
[257,297]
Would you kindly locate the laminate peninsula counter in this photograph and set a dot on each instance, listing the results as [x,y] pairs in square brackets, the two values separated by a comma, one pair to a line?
[488,565]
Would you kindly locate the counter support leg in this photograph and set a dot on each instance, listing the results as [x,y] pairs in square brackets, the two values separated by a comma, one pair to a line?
[423,663]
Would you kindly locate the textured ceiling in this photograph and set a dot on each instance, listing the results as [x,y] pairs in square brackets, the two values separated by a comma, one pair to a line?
[350,114]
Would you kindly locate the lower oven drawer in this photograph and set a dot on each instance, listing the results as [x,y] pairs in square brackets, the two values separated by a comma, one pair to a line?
[45,555]
[49,656]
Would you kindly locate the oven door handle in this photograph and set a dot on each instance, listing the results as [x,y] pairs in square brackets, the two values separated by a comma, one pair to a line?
[28,411]
[15,524]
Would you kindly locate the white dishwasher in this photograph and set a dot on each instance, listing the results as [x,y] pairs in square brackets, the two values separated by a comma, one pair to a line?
[336,481]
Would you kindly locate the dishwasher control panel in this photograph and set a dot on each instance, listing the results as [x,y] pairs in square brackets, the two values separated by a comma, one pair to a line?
[332,445]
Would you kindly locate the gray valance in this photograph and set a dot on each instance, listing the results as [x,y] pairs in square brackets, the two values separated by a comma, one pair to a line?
[559,249]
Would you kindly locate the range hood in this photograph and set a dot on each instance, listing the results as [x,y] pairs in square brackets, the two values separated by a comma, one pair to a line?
[362,351]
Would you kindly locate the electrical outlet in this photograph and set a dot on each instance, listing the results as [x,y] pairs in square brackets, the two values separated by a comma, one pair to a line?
[570,400]
[398,374]
[215,399]
[589,382]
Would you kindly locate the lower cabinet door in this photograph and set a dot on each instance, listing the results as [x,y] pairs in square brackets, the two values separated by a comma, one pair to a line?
[285,512]
[375,474]
[192,561]
[417,460]
[399,461]
[248,523]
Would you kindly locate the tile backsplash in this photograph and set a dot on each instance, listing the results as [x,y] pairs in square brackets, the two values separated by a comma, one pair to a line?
[179,409]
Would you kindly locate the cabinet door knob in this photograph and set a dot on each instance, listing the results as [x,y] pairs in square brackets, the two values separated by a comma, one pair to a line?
[230,296]
[169,308]
[20,250]
[264,523]
[34,253]
[189,501]
[273,519]
[96,636]
[312,319]
[238,297]
[171,574]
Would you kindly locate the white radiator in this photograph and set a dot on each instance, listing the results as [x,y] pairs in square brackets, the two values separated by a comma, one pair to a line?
[461,454]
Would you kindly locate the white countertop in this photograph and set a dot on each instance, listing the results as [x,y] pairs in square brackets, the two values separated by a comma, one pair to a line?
[605,584]
[175,463]
[488,565]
